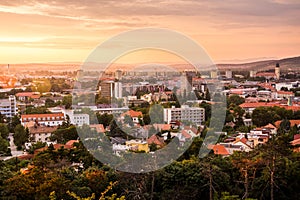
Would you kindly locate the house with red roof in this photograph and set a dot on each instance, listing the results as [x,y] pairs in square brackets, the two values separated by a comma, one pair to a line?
[244,144]
[26,96]
[296,143]
[157,140]
[284,94]
[135,115]
[98,127]
[269,129]
[219,150]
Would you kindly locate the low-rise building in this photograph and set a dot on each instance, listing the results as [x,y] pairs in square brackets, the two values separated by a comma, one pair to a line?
[138,145]
[135,115]
[49,119]
[41,133]
[285,94]
[26,96]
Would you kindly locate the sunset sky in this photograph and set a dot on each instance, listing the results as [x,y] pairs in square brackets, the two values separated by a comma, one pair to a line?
[68,30]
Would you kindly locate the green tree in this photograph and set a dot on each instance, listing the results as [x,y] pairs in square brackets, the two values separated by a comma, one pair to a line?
[4,131]
[284,126]
[67,101]
[2,118]
[207,108]
[37,110]
[146,119]
[105,119]
[49,103]
[156,114]
[262,116]
[235,100]
[64,134]
[14,122]
[3,145]
[21,135]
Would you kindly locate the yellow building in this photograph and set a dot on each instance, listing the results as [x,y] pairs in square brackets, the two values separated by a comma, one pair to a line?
[138,145]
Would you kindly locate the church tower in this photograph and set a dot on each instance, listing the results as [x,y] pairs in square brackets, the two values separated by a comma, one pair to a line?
[277,71]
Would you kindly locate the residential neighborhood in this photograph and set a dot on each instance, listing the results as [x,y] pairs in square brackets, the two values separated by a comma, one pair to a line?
[149,100]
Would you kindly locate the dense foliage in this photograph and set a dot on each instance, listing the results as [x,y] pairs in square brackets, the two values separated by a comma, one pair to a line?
[270,171]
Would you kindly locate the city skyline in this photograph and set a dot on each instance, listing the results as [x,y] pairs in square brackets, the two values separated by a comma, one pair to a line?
[232,31]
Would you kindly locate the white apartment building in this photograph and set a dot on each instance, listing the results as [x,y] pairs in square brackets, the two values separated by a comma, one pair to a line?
[8,107]
[185,113]
[78,119]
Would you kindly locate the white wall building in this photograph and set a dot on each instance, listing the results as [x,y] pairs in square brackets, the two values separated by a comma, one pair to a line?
[8,107]
[52,119]
[78,119]
[118,90]
[185,113]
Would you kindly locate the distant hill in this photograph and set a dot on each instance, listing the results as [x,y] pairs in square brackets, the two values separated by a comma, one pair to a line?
[286,64]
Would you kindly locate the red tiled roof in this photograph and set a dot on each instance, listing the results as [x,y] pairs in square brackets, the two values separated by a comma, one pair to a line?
[270,126]
[219,150]
[133,113]
[185,134]
[293,108]
[71,142]
[255,104]
[168,92]
[243,140]
[295,142]
[156,140]
[297,136]
[42,129]
[267,86]
[99,127]
[193,129]
[163,127]
[237,91]
[25,94]
[32,117]
[285,92]
[271,104]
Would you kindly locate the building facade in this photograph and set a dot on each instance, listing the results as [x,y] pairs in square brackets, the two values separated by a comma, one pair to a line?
[52,119]
[194,115]
[8,107]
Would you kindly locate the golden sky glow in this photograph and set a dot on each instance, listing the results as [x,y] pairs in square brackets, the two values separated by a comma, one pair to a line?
[68,30]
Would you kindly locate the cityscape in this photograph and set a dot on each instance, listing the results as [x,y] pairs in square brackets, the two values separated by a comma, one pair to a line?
[217,117]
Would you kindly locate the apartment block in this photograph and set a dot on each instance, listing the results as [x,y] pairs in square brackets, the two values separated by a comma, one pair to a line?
[185,113]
